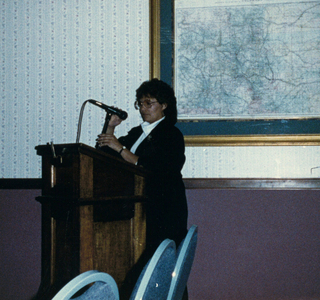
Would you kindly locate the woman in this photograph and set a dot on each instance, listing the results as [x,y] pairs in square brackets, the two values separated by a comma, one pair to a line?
[158,146]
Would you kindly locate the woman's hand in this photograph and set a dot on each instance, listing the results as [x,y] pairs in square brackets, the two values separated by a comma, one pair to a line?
[114,121]
[110,140]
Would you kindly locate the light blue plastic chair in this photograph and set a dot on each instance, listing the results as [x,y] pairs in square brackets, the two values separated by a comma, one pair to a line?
[104,287]
[154,281]
[182,269]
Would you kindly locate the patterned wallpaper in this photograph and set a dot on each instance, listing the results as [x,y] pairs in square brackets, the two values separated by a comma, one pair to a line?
[253,162]
[56,54]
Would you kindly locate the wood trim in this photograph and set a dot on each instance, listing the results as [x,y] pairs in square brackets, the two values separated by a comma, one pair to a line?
[154,37]
[252,140]
[21,183]
[253,183]
[198,183]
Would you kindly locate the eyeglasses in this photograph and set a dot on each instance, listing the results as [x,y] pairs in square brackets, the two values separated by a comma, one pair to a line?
[146,103]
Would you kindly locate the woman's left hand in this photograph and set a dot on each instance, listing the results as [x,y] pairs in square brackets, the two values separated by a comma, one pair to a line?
[110,140]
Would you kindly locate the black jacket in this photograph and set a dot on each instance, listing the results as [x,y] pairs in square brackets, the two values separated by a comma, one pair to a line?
[162,152]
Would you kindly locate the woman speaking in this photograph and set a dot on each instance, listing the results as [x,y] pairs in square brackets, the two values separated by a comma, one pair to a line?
[158,146]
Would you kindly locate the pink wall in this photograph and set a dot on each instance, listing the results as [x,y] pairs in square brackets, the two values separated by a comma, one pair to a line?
[253,244]
[20,244]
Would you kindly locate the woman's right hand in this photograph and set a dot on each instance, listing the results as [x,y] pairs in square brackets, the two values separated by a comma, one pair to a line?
[114,121]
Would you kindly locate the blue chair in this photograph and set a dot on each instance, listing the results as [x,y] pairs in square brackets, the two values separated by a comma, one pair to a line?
[154,280]
[185,257]
[104,287]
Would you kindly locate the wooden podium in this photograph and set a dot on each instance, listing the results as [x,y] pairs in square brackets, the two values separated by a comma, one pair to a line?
[93,214]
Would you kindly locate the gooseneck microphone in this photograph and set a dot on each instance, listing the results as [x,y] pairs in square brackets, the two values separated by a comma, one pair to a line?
[120,113]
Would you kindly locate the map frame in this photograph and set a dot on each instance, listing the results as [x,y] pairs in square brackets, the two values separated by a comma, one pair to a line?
[244,132]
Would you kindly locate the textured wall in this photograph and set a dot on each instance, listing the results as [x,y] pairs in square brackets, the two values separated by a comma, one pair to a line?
[57,54]
[253,162]
[54,56]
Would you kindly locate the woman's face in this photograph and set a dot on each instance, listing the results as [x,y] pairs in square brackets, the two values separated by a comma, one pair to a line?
[150,109]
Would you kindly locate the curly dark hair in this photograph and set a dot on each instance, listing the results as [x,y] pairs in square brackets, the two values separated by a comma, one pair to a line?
[164,94]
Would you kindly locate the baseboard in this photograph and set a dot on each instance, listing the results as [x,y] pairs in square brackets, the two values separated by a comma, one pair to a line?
[198,183]
[252,183]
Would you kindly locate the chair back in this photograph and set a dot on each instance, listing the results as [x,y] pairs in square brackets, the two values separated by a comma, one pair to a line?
[154,280]
[104,287]
[185,257]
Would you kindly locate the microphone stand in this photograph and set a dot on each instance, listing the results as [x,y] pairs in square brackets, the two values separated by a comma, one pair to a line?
[105,127]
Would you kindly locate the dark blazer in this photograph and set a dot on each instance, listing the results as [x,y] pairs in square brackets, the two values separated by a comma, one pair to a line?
[162,152]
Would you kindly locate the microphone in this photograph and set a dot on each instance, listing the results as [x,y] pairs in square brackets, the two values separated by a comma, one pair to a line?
[120,113]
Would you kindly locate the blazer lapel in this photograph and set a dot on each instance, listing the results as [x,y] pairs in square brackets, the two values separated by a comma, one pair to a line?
[148,142]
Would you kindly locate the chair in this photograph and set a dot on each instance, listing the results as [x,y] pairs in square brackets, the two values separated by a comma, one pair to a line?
[154,280]
[185,257]
[104,287]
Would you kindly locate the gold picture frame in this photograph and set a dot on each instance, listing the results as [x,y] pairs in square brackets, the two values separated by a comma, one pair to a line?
[299,139]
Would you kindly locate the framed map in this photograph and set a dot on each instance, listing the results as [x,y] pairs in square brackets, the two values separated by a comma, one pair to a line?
[245,72]
[244,59]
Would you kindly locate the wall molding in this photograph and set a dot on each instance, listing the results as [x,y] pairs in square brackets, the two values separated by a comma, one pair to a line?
[199,183]
[20,183]
[252,183]
[253,140]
